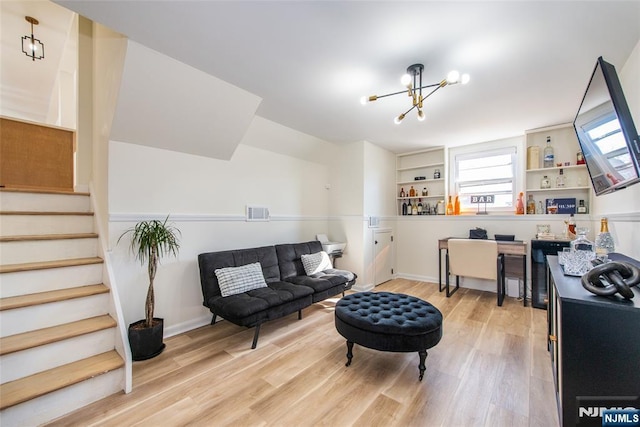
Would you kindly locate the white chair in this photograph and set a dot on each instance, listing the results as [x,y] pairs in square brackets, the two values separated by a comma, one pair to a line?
[475,258]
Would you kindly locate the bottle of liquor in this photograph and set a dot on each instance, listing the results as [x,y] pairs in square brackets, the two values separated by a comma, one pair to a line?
[414,208]
[531,205]
[409,208]
[425,192]
[401,192]
[545,183]
[412,192]
[450,207]
[548,154]
[520,204]
[404,207]
[571,225]
[582,208]
[456,206]
[604,240]
[560,182]
[581,243]
[419,206]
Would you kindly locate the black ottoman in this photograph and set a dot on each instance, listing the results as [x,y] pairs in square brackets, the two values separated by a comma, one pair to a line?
[389,322]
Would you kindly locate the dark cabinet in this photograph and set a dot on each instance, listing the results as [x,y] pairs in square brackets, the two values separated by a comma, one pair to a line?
[539,251]
[594,343]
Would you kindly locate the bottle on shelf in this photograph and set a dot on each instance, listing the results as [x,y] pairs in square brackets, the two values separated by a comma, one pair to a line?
[456,206]
[540,209]
[604,240]
[436,174]
[450,207]
[412,192]
[571,226]
[531,205]
[404,207]
[520,204]
[419,206]
[545,182]
[560,180]
[548,154]
[425,192]
[409,208]
[580,158]
[581,243]
[401,191]
[414,208]
[582,208]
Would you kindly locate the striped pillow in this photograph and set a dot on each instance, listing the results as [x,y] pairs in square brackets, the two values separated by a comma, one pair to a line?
[236,280]
[315,263]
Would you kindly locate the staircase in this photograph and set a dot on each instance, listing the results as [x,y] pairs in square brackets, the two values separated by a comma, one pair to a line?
[57,330]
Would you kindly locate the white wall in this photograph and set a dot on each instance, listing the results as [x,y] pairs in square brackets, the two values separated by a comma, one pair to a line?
[206,199]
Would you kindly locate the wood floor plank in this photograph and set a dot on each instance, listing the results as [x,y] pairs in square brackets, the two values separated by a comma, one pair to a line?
[491,368]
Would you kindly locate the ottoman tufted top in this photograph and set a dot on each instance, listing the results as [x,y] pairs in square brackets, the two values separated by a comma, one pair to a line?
[389,313]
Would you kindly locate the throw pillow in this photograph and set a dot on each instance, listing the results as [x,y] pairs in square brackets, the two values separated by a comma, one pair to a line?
[236,280]
[314,263]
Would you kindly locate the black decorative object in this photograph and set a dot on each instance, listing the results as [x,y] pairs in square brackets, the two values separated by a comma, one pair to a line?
[612,277]
[146,342]
[478,233]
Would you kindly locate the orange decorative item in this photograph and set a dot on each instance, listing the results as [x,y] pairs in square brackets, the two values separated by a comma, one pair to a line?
[449,207]
[520,204]
[456,207]
[412,192]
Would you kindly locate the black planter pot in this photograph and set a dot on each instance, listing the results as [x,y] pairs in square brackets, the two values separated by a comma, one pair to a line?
[146,343]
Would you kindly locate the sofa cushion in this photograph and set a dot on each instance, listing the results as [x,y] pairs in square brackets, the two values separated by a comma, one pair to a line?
[289,257]
[315,263]
[236,280]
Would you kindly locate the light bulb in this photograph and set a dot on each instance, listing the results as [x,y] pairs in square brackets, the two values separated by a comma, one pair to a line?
[465,78]
[363,100]
[453,77]
[421,116]
[398,119]
[406,80]
[33,47]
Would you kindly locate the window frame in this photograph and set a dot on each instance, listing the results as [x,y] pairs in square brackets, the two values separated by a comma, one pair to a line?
[516,145]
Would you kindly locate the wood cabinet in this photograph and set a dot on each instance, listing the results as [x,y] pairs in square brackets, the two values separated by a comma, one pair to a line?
[594,344]
[565,145]
[427,164]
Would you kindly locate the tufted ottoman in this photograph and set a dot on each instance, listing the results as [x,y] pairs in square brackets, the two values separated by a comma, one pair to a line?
[388,322]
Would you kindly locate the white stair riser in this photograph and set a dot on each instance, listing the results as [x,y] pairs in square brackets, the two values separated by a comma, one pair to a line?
[47,250]
[31,225]
[50,279]
[28,362]
[38,202]
[64,401]
[56,313]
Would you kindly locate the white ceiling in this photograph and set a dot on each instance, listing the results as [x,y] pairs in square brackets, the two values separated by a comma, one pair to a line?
[311,61]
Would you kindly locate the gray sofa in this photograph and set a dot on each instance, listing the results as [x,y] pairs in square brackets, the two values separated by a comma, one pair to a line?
[288,289]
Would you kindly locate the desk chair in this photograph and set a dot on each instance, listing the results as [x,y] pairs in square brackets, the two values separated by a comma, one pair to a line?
[475,258]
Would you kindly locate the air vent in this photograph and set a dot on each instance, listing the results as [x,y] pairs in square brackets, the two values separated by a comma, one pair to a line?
[374,222]
[257,213]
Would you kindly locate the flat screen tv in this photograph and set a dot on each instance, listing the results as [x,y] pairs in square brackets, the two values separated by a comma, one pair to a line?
[606,133]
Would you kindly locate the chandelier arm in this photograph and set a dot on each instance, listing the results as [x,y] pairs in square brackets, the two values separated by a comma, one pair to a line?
[391,94]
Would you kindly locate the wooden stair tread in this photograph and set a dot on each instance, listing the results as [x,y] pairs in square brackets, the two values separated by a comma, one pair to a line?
[42,191]
[26,340]
[51,296]
[30,238]
[12,268]
[52,213]
[31,387]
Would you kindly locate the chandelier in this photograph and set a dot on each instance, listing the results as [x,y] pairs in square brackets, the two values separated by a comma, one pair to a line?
[413,81]
[31,46]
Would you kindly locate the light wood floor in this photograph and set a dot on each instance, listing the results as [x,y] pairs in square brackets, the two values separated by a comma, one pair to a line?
[491,368]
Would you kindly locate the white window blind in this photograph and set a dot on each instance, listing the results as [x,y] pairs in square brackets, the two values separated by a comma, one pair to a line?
[486,172]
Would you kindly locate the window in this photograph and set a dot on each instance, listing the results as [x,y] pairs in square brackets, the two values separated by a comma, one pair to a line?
[487,169]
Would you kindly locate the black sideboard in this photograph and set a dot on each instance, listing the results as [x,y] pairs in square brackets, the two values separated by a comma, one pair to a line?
[594,343]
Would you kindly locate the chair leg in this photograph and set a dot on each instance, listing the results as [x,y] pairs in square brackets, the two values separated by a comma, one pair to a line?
[213,319]
[500,279]
[299,314]
[255,337]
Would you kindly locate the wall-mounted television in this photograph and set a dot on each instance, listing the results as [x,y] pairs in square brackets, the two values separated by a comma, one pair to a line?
[606,132]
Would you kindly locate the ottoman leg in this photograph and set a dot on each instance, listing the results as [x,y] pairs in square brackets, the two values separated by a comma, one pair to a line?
[349,352]
[421,366]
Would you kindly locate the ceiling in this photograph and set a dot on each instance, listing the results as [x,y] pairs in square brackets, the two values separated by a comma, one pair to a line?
[312,61]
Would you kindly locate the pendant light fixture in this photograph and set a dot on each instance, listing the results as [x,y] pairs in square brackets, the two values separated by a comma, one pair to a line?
[31,46]
[413,81]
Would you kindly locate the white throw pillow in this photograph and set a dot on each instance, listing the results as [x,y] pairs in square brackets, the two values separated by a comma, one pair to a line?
[315,263]
[236,280]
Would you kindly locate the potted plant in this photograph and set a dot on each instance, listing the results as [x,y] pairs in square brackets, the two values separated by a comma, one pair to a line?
[150,241]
